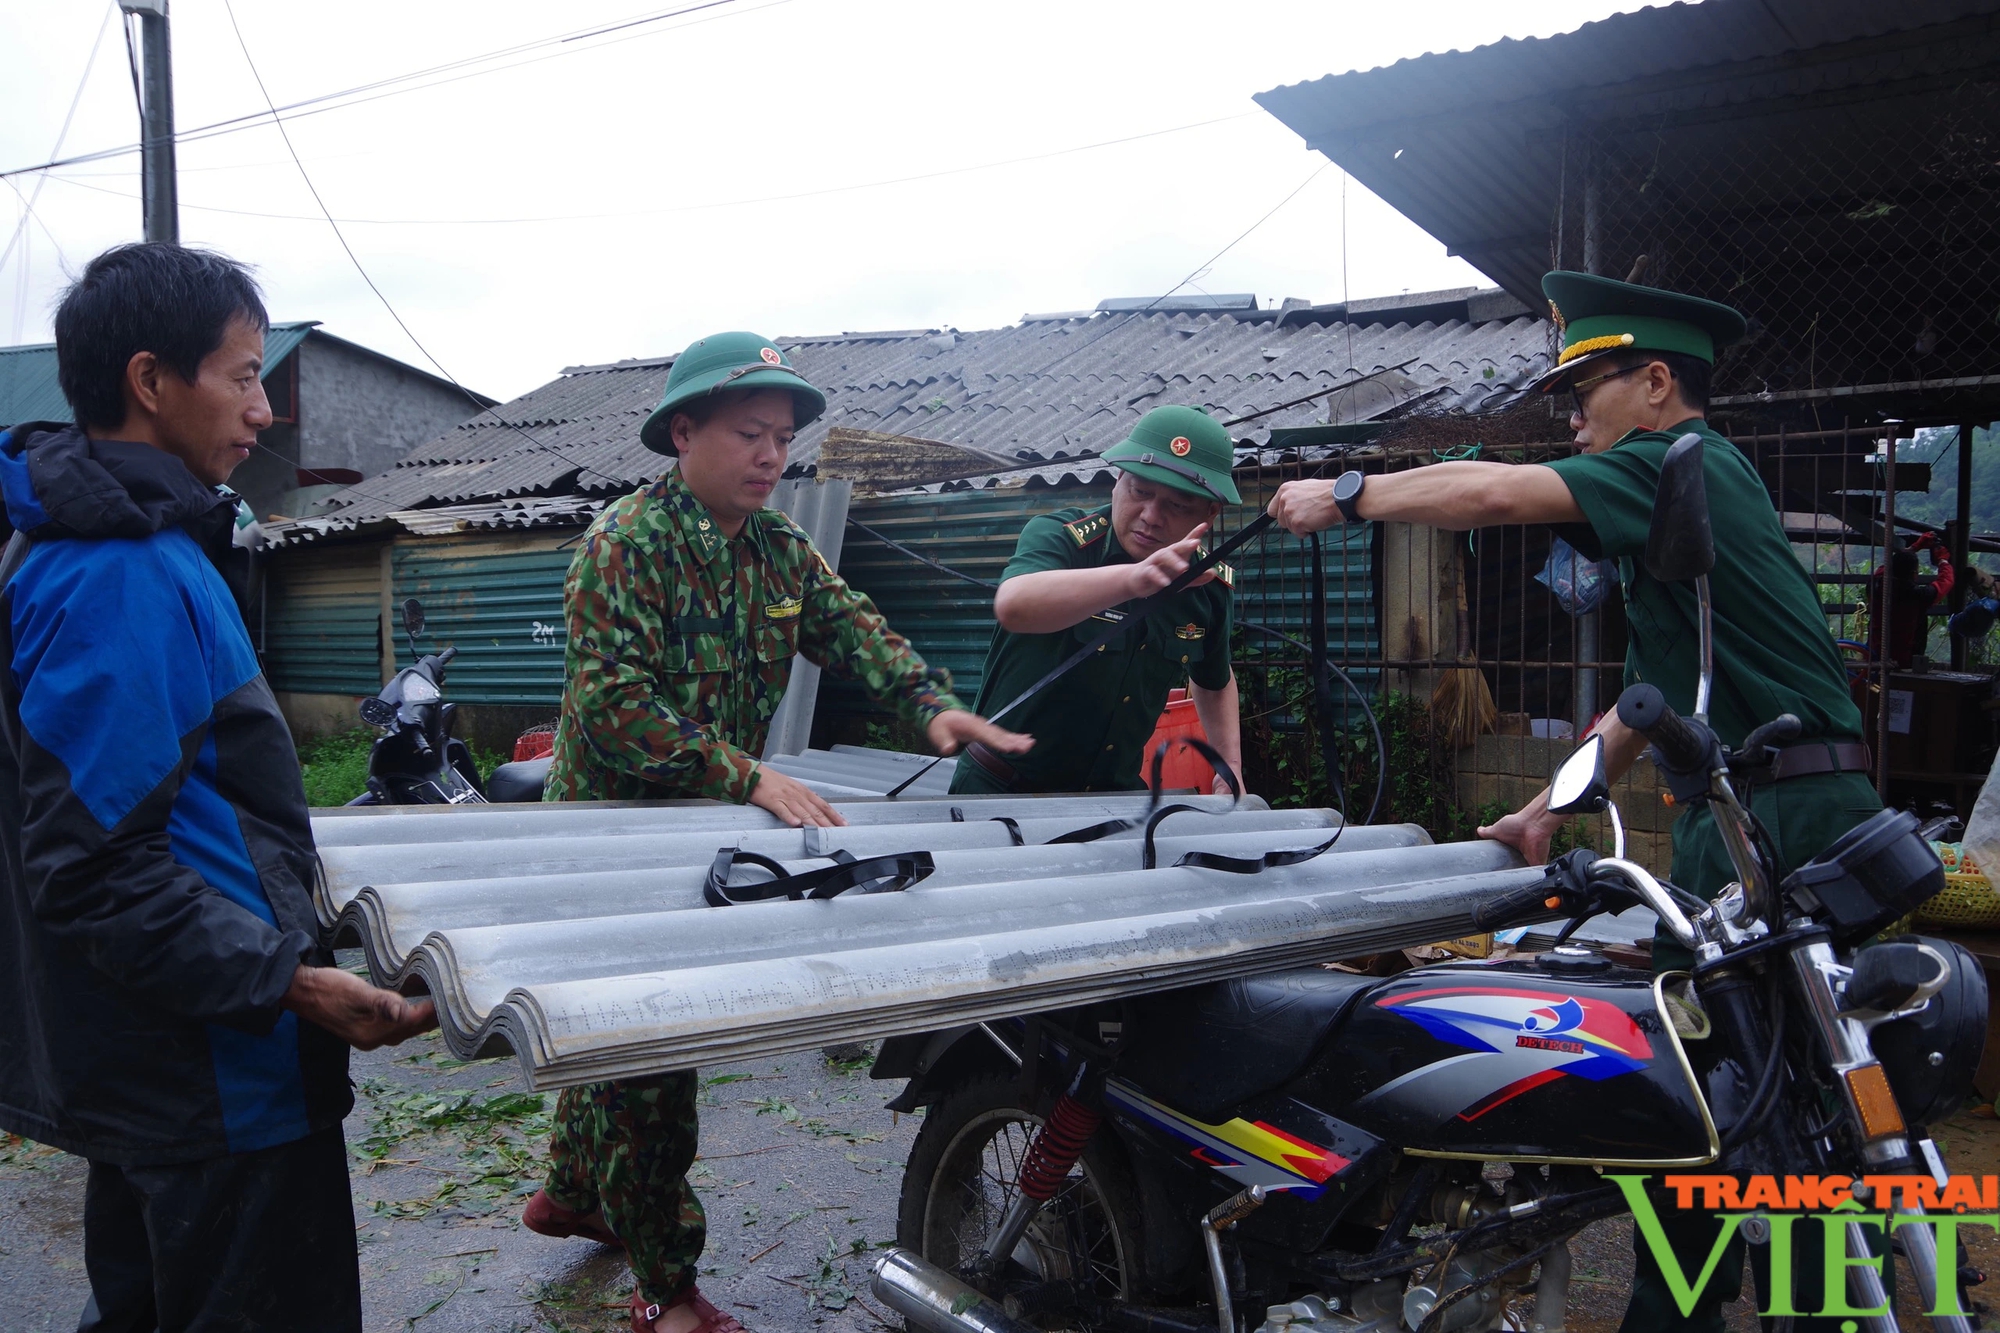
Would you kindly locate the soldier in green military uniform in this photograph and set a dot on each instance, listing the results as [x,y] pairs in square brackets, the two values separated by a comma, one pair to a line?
[684,606]
[1637,363]
[1070,572]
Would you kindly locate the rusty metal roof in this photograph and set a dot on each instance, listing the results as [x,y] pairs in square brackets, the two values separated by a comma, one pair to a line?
[1046,391]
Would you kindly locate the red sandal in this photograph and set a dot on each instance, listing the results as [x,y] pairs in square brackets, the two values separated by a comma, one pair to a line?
[545,1217]
[712,1319]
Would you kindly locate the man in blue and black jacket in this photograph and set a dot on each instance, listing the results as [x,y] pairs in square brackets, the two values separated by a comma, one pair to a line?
[168,1009]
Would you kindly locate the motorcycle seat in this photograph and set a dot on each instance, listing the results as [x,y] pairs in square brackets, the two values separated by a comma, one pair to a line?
[521,780]
[1207,1050]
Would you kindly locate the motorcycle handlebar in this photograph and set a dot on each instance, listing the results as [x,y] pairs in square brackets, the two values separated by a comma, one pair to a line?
[444,658]
[1685,748]
[1511,904]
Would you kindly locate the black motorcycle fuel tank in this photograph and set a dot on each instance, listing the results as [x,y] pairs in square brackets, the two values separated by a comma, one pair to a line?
[1518,1061]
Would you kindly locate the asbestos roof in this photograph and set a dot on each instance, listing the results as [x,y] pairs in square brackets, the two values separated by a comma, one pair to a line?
[576,936]
[1046,391]
[1469,144]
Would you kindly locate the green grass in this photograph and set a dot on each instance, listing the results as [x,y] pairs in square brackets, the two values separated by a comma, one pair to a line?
[336,767]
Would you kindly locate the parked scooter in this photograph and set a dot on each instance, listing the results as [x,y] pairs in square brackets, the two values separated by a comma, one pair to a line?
[1265,1150]
[416,760]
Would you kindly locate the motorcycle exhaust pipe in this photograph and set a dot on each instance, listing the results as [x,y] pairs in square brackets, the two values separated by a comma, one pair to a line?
[936,1302]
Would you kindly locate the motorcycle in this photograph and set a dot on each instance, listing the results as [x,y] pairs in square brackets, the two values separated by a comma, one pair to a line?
[416,760]
[1329,1151]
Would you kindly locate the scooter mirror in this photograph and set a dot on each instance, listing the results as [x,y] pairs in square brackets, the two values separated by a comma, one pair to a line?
[413,617]
[1579,786]
[1679,545]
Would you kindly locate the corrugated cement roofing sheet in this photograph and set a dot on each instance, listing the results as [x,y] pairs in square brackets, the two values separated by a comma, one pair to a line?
[1044,391]
[577,936]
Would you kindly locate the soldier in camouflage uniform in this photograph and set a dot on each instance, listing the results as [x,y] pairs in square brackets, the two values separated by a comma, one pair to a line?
[685,606]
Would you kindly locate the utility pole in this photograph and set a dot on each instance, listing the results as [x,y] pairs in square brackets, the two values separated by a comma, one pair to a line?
[156,121]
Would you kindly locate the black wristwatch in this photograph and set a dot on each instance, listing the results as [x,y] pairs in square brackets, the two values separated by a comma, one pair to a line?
[1347,494]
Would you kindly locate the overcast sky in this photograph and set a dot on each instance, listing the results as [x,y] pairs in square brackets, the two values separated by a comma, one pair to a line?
[621,194]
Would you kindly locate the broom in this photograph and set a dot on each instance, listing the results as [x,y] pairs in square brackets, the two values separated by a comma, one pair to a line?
[1462,707]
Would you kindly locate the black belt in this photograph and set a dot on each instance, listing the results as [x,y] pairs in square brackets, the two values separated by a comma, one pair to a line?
[1815,757]
[991,764]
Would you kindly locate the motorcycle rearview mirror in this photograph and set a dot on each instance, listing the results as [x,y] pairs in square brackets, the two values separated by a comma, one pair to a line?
[1579,786]
[413,617]
[1680,547]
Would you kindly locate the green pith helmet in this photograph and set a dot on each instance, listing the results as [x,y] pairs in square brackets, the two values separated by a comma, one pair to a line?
[1602,316]
[1181,447]
[728,361]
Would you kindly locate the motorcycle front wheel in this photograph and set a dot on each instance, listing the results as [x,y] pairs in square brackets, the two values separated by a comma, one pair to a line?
[1084,1247]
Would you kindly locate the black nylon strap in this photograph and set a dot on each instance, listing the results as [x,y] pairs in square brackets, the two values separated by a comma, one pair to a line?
[890,873]
[1323,690]
[1139,610]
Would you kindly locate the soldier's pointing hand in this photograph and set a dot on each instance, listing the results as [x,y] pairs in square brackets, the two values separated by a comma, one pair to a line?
[1168,563]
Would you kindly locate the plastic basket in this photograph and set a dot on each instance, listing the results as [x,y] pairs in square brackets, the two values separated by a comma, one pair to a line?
[1967,902]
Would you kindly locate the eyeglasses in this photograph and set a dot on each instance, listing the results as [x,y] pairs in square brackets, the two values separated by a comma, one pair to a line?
[1580,390]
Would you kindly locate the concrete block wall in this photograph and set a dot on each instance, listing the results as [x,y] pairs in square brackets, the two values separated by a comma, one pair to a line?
[1510,770]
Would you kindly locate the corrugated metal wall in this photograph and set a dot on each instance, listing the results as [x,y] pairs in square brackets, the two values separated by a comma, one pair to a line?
[323,613]
[499,601]
[951,622]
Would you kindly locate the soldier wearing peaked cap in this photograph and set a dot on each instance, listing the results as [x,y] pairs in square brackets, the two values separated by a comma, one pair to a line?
[1637,363]
[1070,573]
[684,607]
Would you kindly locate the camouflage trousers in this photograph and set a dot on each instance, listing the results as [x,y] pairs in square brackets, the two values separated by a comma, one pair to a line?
[625,1149]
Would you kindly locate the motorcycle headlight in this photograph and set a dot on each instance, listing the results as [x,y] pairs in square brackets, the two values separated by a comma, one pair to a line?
[417,690]
[1930,1056]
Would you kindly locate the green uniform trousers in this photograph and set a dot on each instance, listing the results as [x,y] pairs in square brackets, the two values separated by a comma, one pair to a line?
[1803,816]
[624,1149]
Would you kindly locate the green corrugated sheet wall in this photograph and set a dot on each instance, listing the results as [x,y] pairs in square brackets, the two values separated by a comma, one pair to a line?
[503,609]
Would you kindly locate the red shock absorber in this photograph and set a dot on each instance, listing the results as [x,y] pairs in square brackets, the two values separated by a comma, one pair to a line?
[1058,1143]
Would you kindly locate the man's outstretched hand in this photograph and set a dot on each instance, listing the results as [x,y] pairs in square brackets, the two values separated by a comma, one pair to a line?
[952,730]
[1528,830]
[793,801]
[362,1015]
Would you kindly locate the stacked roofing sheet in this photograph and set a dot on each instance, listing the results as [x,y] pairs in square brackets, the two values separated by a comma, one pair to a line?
[578,937]
[854,770]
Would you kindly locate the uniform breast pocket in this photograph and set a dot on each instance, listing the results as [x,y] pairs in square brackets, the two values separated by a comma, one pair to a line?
[777,638]
[700,652]
[1185,644]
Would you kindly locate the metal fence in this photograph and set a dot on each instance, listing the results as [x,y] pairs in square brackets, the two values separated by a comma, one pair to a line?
[1857,235]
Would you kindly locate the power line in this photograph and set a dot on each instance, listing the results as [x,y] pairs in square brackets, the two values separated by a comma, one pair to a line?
[695,208]
[1210,262]
[473,398]
[388,87]
[75,100]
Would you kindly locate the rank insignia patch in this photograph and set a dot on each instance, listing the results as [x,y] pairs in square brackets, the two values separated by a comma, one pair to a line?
[784,610]
[1087,529]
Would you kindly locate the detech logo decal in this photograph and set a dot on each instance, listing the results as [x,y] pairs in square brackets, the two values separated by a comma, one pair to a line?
[1528,1037]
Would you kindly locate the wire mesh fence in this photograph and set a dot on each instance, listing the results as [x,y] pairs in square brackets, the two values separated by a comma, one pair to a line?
[1856,231]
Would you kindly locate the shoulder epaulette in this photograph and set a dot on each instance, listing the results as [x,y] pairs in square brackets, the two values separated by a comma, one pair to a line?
[1225,573]
[1083,531]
